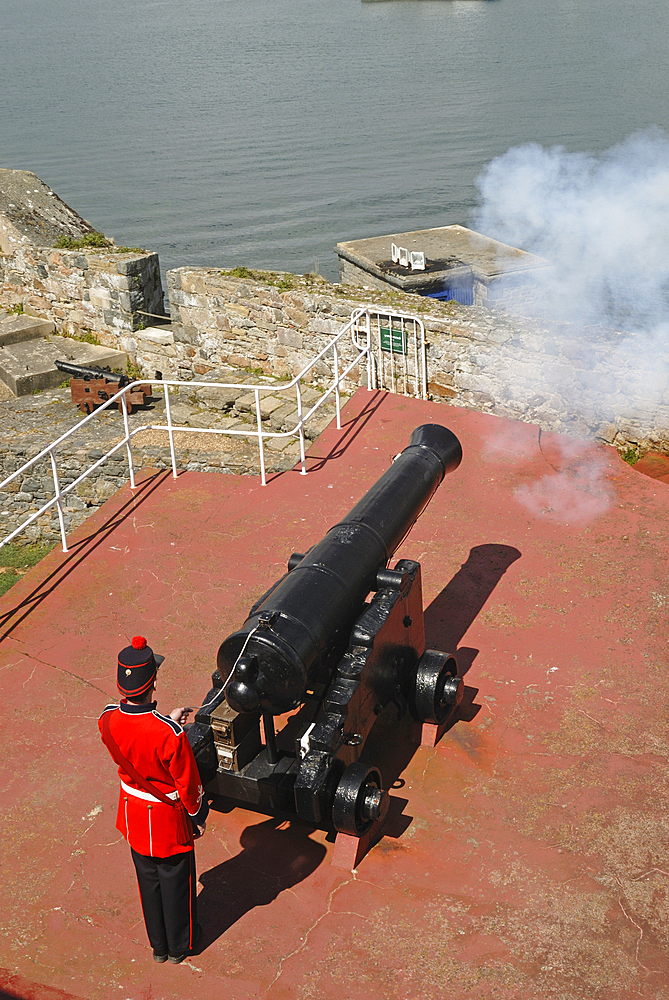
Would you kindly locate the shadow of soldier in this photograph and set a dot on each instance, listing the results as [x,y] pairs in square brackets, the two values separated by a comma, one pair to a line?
[275,855]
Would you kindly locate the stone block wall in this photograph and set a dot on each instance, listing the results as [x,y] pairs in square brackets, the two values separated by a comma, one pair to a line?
[29,492]
[219,319]
[517,292]
[84,291]
[593,383]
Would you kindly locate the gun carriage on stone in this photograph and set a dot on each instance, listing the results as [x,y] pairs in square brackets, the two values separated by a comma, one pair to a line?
[315,643]
[91,386]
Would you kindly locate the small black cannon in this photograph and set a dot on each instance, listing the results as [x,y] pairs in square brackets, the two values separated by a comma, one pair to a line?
[91,386]
[313,643]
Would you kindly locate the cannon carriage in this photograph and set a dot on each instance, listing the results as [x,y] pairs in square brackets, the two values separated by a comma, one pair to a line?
[91,386]
[315,644]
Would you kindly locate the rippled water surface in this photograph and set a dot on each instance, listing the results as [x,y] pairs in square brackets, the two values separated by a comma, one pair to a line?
[261,132]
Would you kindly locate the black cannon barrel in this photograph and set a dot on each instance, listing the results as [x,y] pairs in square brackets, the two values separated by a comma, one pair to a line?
[310,612]
[91,371]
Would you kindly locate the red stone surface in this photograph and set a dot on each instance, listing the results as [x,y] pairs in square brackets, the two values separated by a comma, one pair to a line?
[655,465]
[527,853]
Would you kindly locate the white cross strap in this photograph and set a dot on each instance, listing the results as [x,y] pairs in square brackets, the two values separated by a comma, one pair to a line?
[146,795]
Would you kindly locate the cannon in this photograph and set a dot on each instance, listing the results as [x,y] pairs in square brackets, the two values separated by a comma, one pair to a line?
[316,645]
[91,386]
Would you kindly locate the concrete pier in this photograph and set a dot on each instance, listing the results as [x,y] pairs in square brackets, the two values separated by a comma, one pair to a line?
[459,264]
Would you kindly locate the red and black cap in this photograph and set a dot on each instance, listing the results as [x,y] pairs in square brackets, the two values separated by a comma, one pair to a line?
[137,666]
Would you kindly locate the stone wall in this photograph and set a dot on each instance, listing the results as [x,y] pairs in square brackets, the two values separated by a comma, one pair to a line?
[101,290]
[27,493]
[516,292]
[84,291]
[591,383]
[274,326]
[585,381]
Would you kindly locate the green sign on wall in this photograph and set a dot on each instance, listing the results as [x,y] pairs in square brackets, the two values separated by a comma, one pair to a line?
[399,340]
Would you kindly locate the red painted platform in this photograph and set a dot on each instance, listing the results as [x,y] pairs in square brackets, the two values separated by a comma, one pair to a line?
[527,853]
[655,465]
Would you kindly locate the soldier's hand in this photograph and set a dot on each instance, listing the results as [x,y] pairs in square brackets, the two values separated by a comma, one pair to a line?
[180,715]
[202,829]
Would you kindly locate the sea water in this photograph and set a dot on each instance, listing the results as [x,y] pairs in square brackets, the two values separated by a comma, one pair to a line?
[262,132]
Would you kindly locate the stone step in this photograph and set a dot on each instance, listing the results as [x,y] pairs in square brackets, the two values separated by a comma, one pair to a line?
[27,366]
[17,329]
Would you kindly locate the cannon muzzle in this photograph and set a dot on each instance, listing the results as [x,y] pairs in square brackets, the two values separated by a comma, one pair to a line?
[305,620]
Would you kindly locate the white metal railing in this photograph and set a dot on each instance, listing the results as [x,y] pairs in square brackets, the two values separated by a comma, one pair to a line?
[395,345]
[364,325]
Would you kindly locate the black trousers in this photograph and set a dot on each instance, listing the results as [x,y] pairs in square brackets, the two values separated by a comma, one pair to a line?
[168,890]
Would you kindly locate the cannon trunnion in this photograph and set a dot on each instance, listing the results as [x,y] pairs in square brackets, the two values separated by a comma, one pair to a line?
[313,645]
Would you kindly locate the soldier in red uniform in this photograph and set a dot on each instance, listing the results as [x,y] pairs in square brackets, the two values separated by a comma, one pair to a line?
[161,802]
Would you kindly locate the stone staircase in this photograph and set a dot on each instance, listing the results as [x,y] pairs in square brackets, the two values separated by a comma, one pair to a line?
[29,347]
[232,408]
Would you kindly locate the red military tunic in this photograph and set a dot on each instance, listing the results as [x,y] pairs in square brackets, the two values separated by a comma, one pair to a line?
[159,750]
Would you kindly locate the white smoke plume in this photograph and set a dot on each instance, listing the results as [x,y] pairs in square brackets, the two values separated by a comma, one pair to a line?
[577,492]
[574,488]
[601,220]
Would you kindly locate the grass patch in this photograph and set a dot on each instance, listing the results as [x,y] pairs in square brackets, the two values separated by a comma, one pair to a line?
[16,560]
[16,310]
[132,371]
[94,241]
[630,455]
[282,280]
[84,338]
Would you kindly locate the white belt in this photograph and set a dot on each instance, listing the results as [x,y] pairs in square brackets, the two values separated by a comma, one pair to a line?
[147,795]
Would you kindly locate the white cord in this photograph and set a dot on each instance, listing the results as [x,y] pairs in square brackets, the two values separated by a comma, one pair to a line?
[254,629]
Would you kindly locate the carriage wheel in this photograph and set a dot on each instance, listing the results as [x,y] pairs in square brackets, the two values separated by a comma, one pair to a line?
[359,800]
[437,689]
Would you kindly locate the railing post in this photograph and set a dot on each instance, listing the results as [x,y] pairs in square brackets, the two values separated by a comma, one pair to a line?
[59,504]
[303,457]
[405,354]
[170,431]
[131,469]
[261,446]
[423,357]
[416,374]
[336,375]
[370,361]
[392,352]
